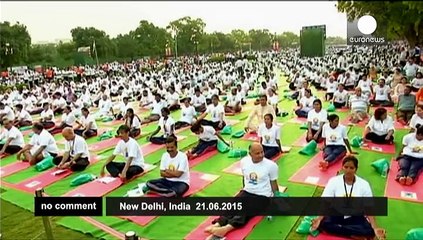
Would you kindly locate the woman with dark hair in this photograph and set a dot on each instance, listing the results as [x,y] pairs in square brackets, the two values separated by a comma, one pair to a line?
[380,129]
[335,140]
[417,118]
[217,112]
[411,157]
[305,104]
[270,135]
[348,185]
[316,118]
[167,124]
[417,82]
[208,138]
[188,115]
[133,122]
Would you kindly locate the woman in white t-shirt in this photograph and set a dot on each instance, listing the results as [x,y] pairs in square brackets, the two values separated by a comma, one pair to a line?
[417,82]
[380,129]
[217,112]
[340,97]
[188,115]
[207,140]
[167,125]
[411,157]
[316,118]
[47,117]
[23,118]
[131,151]
[305,104]
[417,118]
[270,137]
[87,127]
[174,172]
[348,185]
[133,122]
[335,142]
[331,87]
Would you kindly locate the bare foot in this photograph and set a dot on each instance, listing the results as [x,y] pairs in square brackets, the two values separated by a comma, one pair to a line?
[401,180]
[408,181]
[220,231]
[210,228]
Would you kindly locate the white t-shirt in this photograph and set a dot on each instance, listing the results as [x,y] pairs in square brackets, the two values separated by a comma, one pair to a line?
[167,126]
[123,108]
[415,119]
[77,146]
[209,134]
[45,114]
[104,106]
[417,83]
[15,135]
[365,85]
[198,101]
[130,149]
[44,139]
[233,100]
[331,86]
[316,118]
[257,176]
[172,98]
[412,146]
[382,93]
[379,127]
[335,188]
[69,119]
[334,136]
[87,120]
[187,114]
[269,136]
[307,103]
[9,114]
[59,102]
[135,123]
[179,163]
[215,112]
[24,115]
[358,103]
[340,97]
[157,107]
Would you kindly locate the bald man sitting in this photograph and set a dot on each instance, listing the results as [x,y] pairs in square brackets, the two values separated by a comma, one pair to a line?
[259,180]
[76,156]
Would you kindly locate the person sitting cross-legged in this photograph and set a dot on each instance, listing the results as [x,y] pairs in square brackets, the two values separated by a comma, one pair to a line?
[87,127]
[76,156]
[174,173]
[380,129]
[41,145]
[13,138]
[259,181]
[207,139]
[131,151]
[23,118]
[270,135]
[167,124]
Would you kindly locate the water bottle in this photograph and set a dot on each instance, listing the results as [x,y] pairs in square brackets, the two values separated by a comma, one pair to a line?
[385,171]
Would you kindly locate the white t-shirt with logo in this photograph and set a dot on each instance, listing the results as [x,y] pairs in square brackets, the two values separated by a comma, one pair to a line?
[198,101]
[415,119]
[187,114]
[24,115]
[316,118]
[167,125]
[77,146]
[9,114]
[130,149]
[365,85]
[334,136]
[269,135]
[335,188]
[382,93]
[340,97]
[69,119]
[15,135]
[89,119]
[157,107]
[179,163]
[307,103]
[257,176]
[233,100]
[215,112]
[45,114]
[381,127]
[412,146]
[331,86]
[44,139]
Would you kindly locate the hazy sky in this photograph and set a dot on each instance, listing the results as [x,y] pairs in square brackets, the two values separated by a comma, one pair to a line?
[49,21]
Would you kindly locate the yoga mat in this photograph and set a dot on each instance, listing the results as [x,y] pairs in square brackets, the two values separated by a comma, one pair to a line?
[203,157]
[13,168]
[2,156]
[250,137]
[398,126]
[346,122]
[312,175]
[103,145]
[198,181]
[298,120]
[103,130]
[151,147]
[113,123]
[324,236]
[413,193]
[237,234]
[235,168]
[97,188]
[48,177]
[381,148]
[302,142]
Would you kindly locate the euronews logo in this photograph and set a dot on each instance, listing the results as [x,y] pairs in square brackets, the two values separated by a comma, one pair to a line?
[360,32]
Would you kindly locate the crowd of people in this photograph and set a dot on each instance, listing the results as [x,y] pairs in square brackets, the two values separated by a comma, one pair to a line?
[354,79]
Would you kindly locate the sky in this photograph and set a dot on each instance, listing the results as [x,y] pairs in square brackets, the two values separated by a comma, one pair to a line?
[52,21]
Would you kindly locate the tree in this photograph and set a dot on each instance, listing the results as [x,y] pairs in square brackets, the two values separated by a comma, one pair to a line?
[189,33]
[240,38]
[84,37]
[15,43]
[66,50]
[261,39]
[396,19]
[150,39]
[335,41]
[288,40]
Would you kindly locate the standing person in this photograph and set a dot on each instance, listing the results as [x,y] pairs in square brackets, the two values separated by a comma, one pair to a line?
[13,138]
[76,156]
[174,173]
[134,160]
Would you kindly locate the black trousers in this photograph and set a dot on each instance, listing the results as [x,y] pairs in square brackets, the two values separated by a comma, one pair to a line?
[353,226]
[203,145]
[159,140]
[409,167]
[88,134]
[238,221]
[270,152]
[11,149]
[79,165]
[179,124]
[382,103]
[116,168]
[168,188]
[48,124]
[133,133]
[334,152]
[339,104]
[215,125]
[378,139]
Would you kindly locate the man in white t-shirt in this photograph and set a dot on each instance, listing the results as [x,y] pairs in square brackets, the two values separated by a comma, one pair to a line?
[131,151]
[188,115]
[41,145]
[58,104]
[6,112]
[23,117]
[198,101]
[233,103]
[76,156]
[340,97]
[217,112]
[12,137]
[47,117]
[87,127]
[68,120]
[174,173]
[207,140]
[260,177]
[382,95]
[156,109]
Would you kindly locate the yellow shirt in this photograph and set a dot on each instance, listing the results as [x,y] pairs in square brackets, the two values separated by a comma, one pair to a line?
[259,112]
